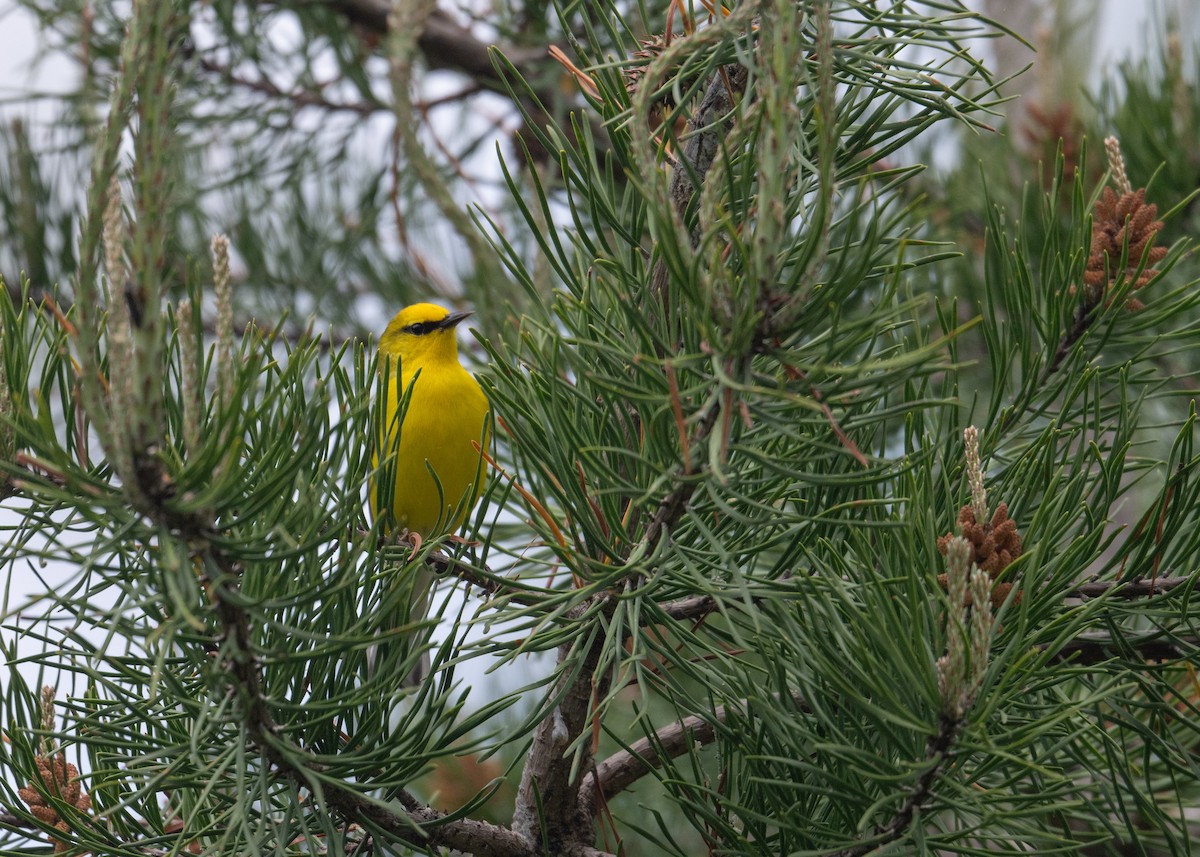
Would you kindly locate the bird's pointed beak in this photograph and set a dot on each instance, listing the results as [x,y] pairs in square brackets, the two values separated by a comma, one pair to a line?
[453,319]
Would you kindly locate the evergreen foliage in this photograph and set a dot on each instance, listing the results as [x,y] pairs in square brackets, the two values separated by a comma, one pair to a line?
[838,507]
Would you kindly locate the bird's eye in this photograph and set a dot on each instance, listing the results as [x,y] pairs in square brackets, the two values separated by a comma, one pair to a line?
[418,329]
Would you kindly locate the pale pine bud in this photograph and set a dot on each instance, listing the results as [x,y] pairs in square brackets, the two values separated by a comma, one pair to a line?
[46,705]
[947,680]
[119,329]
[121,365]
[975,474]
[958,570]
[952,667]
[113,234]
[7,441]
[189,367]
[1116,165]
[224,292]
[982,622]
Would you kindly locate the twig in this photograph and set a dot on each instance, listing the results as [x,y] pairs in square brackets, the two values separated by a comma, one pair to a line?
[693,607]
[445,43]
[698,606]
[488,582]
[1082,321]
[937,752]
[1092,649]
[704,135]
[7,819]
[622,769]
[1130,589]
[672,506]
[299,97]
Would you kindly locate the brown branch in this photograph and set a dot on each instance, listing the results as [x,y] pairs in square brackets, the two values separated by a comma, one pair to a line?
[937,752]
[299,97]
[488,581]
[704,134]
[684,609]
[698,606]
[547,811]
[16,822]
[446,44]
[1144,588]
[1084,316]
[1093,649]
[476,837]
[621,770]
[672,506]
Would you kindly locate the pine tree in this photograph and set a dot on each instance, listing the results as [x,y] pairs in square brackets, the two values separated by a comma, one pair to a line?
[837,506]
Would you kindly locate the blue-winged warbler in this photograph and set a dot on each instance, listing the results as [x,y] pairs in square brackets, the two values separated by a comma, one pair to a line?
[436,470]
[439,472]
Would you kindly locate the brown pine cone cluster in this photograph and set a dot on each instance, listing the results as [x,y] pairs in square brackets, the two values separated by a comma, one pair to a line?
[1050,127]
[62,780]
[996,543]
[1122,225]
[649,52]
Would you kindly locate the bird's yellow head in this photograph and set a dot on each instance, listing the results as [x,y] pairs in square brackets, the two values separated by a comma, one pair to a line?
[422,335]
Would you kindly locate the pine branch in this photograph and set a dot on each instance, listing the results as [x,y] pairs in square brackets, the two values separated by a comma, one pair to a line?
[446,44]
[548,810]
[1082,320]
[16,822]
[245,680]
[263,85]
[1093,649]
[622,769]
[1143,588]
[703,138]
[488,581]
[685,609]
[699,606]
[937,753]
[474,837]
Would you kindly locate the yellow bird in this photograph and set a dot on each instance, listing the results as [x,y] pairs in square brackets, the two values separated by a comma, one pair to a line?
[439,472]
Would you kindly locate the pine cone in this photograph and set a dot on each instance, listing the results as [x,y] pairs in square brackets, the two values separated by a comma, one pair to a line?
[62,781]
[999,593]
[1122,224]
[997,542]
[650,50]
[1048,128]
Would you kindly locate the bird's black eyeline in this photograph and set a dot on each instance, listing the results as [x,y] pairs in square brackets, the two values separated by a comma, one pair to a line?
[422,328]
